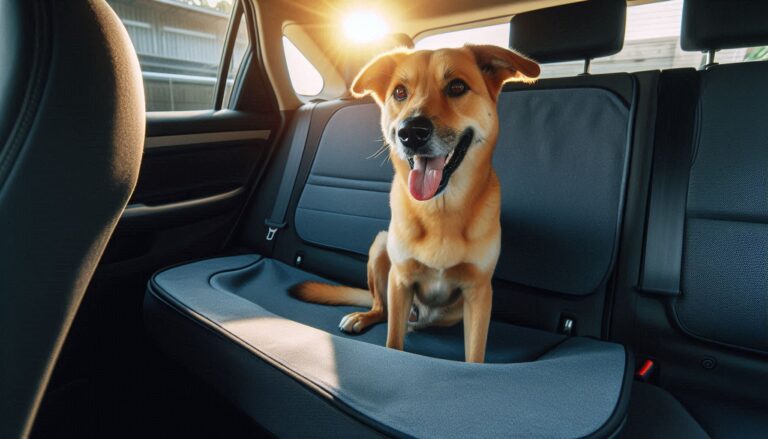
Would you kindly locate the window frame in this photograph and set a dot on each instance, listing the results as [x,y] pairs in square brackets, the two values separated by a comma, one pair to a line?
[240,14]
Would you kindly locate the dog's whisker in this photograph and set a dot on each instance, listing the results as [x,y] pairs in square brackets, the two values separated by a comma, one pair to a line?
[379,151]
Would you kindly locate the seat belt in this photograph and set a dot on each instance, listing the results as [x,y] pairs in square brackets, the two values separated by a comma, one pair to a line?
[678,93]
[276,220]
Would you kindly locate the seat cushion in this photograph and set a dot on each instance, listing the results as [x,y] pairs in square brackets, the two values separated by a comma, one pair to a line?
[653,412]
[541,384]
[726,417]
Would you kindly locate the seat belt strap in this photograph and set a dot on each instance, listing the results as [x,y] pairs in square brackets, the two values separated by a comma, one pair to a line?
[673,147]
[276,220]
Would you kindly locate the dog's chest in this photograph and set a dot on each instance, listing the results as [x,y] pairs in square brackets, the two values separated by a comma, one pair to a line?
[434,288]
[438,287]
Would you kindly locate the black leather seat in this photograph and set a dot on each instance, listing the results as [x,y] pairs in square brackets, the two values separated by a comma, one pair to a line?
[72,129]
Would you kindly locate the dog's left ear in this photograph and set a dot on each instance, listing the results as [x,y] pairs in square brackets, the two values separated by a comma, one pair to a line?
[500,65]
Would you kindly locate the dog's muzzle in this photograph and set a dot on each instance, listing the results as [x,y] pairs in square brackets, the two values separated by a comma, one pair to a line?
[430,174]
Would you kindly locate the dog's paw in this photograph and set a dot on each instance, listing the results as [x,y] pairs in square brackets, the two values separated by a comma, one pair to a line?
[352,323]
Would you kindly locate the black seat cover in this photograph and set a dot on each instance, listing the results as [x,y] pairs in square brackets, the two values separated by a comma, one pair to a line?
[71,132]
[540,384]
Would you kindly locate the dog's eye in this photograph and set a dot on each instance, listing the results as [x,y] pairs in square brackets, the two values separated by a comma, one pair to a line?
[457,87]
[400,93]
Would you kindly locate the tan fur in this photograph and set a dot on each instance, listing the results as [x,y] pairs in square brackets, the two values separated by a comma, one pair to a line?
[331,294]
[446,246]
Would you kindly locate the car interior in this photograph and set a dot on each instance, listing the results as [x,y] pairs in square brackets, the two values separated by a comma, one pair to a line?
[163,185]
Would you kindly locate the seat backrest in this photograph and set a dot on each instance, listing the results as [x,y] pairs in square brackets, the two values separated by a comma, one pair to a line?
[562,158]
[72,129]
[724,283]
[345,201]
[563,151]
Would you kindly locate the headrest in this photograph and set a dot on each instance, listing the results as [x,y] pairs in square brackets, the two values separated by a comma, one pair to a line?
[576,31]
[719,24]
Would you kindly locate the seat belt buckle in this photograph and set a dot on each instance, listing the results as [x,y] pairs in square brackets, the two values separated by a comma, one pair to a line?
[272,229]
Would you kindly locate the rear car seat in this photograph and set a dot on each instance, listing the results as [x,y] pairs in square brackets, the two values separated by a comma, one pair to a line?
[727,207]
[702,313]
[231,320]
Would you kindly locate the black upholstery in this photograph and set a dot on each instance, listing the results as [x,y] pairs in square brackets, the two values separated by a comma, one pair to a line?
[562,158]
[654,413]
[721,24]
[72,130]
[725,417]
[704,339]
[725,298]
[575,31]
[676,117]
[16,18]
[354,199]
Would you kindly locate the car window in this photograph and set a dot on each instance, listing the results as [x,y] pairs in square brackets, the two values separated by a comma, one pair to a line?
[179,44]
[305,78]
[652,41]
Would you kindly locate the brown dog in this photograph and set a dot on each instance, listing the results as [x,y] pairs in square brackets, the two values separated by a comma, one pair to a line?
[434,264]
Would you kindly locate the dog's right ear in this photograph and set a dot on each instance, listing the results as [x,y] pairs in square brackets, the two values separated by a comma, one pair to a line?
[375,77]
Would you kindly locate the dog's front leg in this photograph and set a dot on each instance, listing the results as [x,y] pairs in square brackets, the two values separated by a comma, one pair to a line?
[477,318]
[399,301]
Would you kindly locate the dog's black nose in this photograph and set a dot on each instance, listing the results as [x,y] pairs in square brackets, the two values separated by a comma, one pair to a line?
[414,132]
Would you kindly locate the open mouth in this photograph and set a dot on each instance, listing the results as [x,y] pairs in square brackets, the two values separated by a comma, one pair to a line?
[429,175]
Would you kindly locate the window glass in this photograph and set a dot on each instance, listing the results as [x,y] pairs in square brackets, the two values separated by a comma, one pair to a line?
[305,78]
[179,44]
[652,41]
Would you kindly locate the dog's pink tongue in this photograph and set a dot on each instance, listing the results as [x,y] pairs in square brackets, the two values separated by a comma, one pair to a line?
[424,179]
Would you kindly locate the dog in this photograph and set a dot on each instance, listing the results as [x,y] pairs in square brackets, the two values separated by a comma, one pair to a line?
[434,264]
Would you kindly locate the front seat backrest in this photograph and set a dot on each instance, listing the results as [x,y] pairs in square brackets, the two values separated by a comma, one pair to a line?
[71,137]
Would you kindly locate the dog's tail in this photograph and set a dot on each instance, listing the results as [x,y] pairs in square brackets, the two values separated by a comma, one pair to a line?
[331,294]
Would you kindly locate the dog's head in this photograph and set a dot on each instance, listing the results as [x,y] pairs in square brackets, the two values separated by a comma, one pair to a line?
[439,109]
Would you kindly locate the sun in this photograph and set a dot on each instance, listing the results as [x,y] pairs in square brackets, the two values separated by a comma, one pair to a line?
[364,26]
